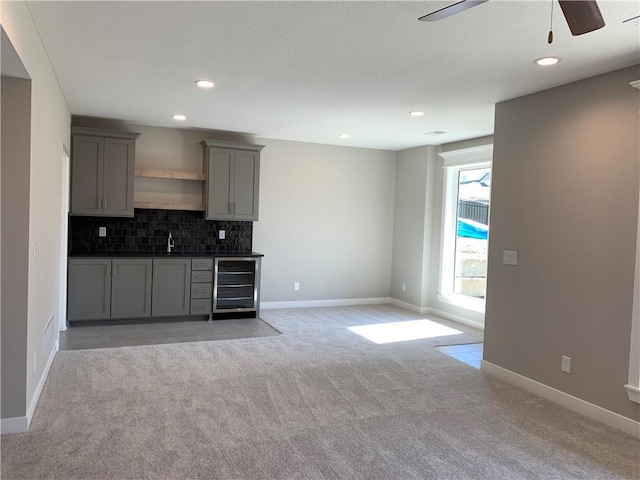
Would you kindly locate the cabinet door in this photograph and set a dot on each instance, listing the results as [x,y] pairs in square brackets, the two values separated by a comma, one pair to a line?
[89,290]
[219,201]
[246,178]
[87,175]
[119,158]
[130,288]
[171,287]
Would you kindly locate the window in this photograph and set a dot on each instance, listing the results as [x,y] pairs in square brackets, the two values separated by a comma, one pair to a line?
[466,207]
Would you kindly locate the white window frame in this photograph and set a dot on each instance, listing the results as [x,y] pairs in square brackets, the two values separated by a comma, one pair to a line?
[633,387]
[454,162]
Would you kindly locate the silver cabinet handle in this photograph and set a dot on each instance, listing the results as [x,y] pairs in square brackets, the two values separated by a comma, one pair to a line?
[105,203]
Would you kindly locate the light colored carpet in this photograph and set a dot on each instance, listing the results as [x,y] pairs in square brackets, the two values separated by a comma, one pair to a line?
[317,402]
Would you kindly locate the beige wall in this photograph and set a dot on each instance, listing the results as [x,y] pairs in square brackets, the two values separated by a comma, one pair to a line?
[565,196]
[326,221]
[49,132]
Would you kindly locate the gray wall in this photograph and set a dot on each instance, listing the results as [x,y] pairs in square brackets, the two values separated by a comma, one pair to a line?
[565,196]
[326,221]
[15,99]
[413,225]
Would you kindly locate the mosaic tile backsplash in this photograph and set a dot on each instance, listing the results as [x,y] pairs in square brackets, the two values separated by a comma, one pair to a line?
[147,231]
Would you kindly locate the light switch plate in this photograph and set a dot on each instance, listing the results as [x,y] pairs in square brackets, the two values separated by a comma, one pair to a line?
[510,257]
[102,231]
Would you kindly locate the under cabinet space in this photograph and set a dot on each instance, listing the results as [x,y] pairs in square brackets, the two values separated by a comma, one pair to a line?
[168,193]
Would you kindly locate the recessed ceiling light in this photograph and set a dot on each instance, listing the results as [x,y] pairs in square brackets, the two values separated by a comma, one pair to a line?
[204,83]
[436,132]
[416,113]
[180,118]
[546,61]
[344,135]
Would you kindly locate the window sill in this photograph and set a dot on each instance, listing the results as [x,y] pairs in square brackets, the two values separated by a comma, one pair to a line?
[634,393]
[462,301]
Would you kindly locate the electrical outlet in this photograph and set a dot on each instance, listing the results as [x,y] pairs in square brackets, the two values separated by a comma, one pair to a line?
[222,234]
[566,364]
[404,287]
[102,231]
[296,285]
[35,250]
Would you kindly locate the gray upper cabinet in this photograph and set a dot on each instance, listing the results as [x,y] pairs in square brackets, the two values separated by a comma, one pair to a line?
[102,172]
[89,292]
[130,288]
[232,172]
[171,287]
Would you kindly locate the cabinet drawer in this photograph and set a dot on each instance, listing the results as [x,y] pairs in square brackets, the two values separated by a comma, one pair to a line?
[201,290]
[202,276]
[202,264]
[200,307]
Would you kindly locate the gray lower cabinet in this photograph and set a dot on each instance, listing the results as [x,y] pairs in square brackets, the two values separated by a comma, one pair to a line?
[113,288]
[171,291]
[102,172]
[232,172]
[89,291]
[130,288]
[201,285]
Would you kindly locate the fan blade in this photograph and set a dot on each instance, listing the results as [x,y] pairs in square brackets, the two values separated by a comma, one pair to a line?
[583,16]
[450,10]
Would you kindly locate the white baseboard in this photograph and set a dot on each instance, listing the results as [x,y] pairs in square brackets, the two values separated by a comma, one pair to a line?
[439,313]
[633,393]
[14,425]
[21,424]
[456,318]
[408,306]
[325,303]
[43,378]
[583,407]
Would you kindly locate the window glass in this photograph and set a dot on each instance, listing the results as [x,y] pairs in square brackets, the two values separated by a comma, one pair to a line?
[472,232]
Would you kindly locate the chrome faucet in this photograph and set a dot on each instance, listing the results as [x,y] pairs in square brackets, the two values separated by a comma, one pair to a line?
[170,243]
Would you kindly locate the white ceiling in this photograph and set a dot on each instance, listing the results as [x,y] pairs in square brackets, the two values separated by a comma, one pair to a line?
[308,71]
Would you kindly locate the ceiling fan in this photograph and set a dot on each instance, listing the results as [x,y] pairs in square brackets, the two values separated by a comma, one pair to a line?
[583,16]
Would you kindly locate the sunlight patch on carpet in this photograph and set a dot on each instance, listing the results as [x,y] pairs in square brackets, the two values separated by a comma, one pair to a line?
[402,331]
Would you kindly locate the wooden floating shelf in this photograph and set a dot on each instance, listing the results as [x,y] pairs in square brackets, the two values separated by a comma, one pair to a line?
[169,206]
[169,174]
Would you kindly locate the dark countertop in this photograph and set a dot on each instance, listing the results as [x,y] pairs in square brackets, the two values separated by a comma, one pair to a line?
[162,254]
